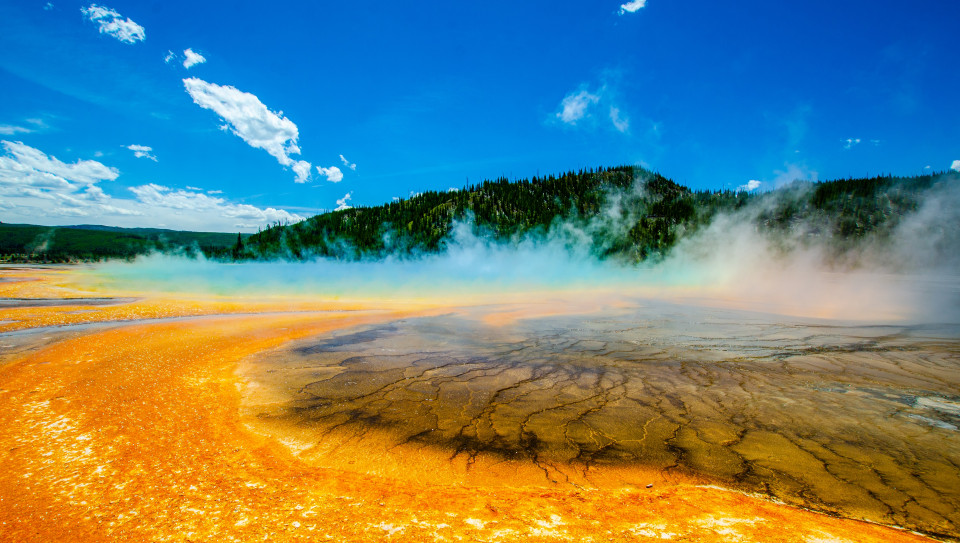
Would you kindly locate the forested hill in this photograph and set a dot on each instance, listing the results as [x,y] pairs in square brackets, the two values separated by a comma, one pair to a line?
[501,209]
[32,243]
[625,213]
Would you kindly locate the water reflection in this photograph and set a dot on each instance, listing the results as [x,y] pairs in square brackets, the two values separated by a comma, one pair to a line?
[857,420]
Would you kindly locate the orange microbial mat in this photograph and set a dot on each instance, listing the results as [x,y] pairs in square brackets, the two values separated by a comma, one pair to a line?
[135,416]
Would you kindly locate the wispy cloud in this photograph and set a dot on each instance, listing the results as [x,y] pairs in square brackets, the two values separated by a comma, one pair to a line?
[302,169]
[750,185]
[583,105]
[574,106]
[347,163]
[850,143]
[48,6]
[622,124]
[112,23]
[247,117]
[142,151]
[955,166]
[632,7]
[342,202]
[793,172]
[192,59]
[9,130]
[333,173]
[159,196]
[169,57]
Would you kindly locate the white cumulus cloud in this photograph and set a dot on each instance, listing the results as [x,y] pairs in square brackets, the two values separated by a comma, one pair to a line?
[36,164]
[34,184]
[752,184]
[192,59]
[632,7]
[955,166]
[112,23]
[142,151]
[342,202]
[248,118]
[347,163]
[302,169]
[39,185]
[333,173]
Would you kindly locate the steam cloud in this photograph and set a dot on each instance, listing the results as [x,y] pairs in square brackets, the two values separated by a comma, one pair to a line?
[909,274]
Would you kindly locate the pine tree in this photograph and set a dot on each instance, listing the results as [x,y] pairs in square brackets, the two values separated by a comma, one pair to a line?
[238,248]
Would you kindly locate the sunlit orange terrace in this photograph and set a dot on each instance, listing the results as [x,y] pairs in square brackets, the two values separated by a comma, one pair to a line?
[143,425]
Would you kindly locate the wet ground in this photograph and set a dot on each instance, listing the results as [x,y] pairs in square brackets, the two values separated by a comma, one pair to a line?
[50,302]
[856,420]
[182,419]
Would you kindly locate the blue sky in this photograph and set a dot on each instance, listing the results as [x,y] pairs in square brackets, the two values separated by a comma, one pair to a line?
[298,107]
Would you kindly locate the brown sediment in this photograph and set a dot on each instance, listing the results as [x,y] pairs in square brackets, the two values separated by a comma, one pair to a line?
[855,421]
[545,306]
[135,434]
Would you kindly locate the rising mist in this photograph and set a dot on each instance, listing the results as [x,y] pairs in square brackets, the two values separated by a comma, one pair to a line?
[755,256]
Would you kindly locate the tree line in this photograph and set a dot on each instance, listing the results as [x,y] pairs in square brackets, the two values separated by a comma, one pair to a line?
[628,213]
[625,213]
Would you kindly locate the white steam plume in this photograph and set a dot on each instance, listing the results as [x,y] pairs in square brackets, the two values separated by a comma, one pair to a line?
[908,274]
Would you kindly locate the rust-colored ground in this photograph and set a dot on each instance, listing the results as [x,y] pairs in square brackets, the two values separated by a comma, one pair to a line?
[133,433]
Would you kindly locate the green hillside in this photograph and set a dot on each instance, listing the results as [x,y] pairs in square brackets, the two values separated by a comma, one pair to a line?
[626,213]
[29,243]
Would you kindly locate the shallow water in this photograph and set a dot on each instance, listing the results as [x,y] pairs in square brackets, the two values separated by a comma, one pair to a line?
[853,419]
[57,302]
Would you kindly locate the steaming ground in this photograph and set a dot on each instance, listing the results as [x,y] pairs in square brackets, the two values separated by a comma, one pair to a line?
[766,363]
[857,420]
[909,276]
[538,398]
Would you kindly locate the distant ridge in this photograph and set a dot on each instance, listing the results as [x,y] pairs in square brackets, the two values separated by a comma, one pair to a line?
[624,213]
[32,243]
[628,213]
